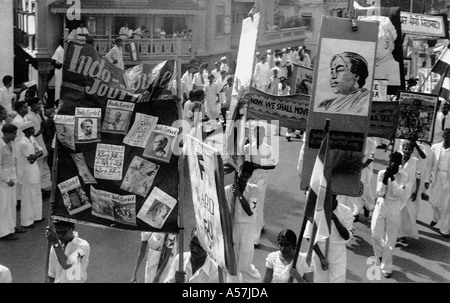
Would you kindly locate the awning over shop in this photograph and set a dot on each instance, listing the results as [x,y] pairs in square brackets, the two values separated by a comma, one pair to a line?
[135,7]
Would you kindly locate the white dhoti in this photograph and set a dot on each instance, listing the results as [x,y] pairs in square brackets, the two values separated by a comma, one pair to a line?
[259,177]
[439,194]
[31,204]
[408,225]
[337,264]
[243,238]
[7,209]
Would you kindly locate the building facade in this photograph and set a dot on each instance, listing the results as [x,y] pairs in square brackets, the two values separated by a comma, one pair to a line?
[202,29]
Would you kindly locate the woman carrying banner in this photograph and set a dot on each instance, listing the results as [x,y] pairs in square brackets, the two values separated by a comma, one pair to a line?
[279,263]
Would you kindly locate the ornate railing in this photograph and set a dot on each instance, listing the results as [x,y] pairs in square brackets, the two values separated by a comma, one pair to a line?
[147,48]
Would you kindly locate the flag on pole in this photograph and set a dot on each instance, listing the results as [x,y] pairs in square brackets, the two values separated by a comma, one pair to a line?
[319,201]
[442,67]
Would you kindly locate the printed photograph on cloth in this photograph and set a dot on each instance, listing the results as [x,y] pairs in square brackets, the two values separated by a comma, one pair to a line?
[417,116]
[344,77]
[74,197]
[156,208]
[139,177]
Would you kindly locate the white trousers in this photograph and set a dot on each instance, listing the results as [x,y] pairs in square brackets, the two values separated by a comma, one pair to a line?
[243,238]
[385,226]
[337,264]
[7,209]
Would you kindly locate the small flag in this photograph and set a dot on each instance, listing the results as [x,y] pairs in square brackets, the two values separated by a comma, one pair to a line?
[319,201]
[442,67]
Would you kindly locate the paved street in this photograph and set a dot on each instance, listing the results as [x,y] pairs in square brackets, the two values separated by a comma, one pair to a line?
[113,252]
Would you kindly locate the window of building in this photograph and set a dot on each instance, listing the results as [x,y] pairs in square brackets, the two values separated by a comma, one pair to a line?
[220,20]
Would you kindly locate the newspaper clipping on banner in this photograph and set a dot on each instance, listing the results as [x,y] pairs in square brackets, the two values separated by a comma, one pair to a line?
[141,130]
[109,161]
[74,197]
[87,124]
[156,208]
[65,130]
[211,209]
[139,177]
[83,169]
[159,144]
[417,116]
[117,117]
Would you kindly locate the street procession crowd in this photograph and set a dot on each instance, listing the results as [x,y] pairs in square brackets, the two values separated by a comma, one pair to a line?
[415,171]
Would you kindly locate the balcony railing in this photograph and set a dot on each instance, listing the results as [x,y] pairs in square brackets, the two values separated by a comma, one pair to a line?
[147,48]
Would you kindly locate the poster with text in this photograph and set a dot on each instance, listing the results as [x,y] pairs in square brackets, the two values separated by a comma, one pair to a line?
[74,197]
[156,208]
[65,126]
[139,177]
[87,124]
[140,131]
[212,212]
[109,162]
[343,79]
[159,145]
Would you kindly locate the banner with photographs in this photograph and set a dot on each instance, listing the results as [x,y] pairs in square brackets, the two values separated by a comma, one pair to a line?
[156,208]
[389,55]
[343,80]
[140,131]
[117,117]
[212,212]
[74,197]
[417,116]
[104,163]
[384,119]
[159,145]
[65,126]
[291,111]
[301,79]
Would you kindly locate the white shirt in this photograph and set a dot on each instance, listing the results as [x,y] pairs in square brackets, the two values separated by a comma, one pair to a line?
[187,82]
[208,273]
[115,53]
[78,251]
[6,95]
[251,195]
[262,74]
[27,172]
[345,216]
[281,272]
[155,241]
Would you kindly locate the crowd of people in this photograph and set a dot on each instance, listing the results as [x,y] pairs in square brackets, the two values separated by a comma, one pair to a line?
[415,171]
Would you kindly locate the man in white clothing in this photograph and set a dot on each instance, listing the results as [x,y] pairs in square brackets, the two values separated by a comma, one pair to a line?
[260,154]
[115,55]
[262,74]
[57,61]
[198,265]
[439,178]
[386,215]
[8,181]
[224,65]
[69,254]
[201,77]
[442,122]
[124,31]
[242,198]
[28,174]
[212,98]
[187,81]
[7,96]
[341,232]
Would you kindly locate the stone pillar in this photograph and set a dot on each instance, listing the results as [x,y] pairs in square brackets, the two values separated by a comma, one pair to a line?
[7,44]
